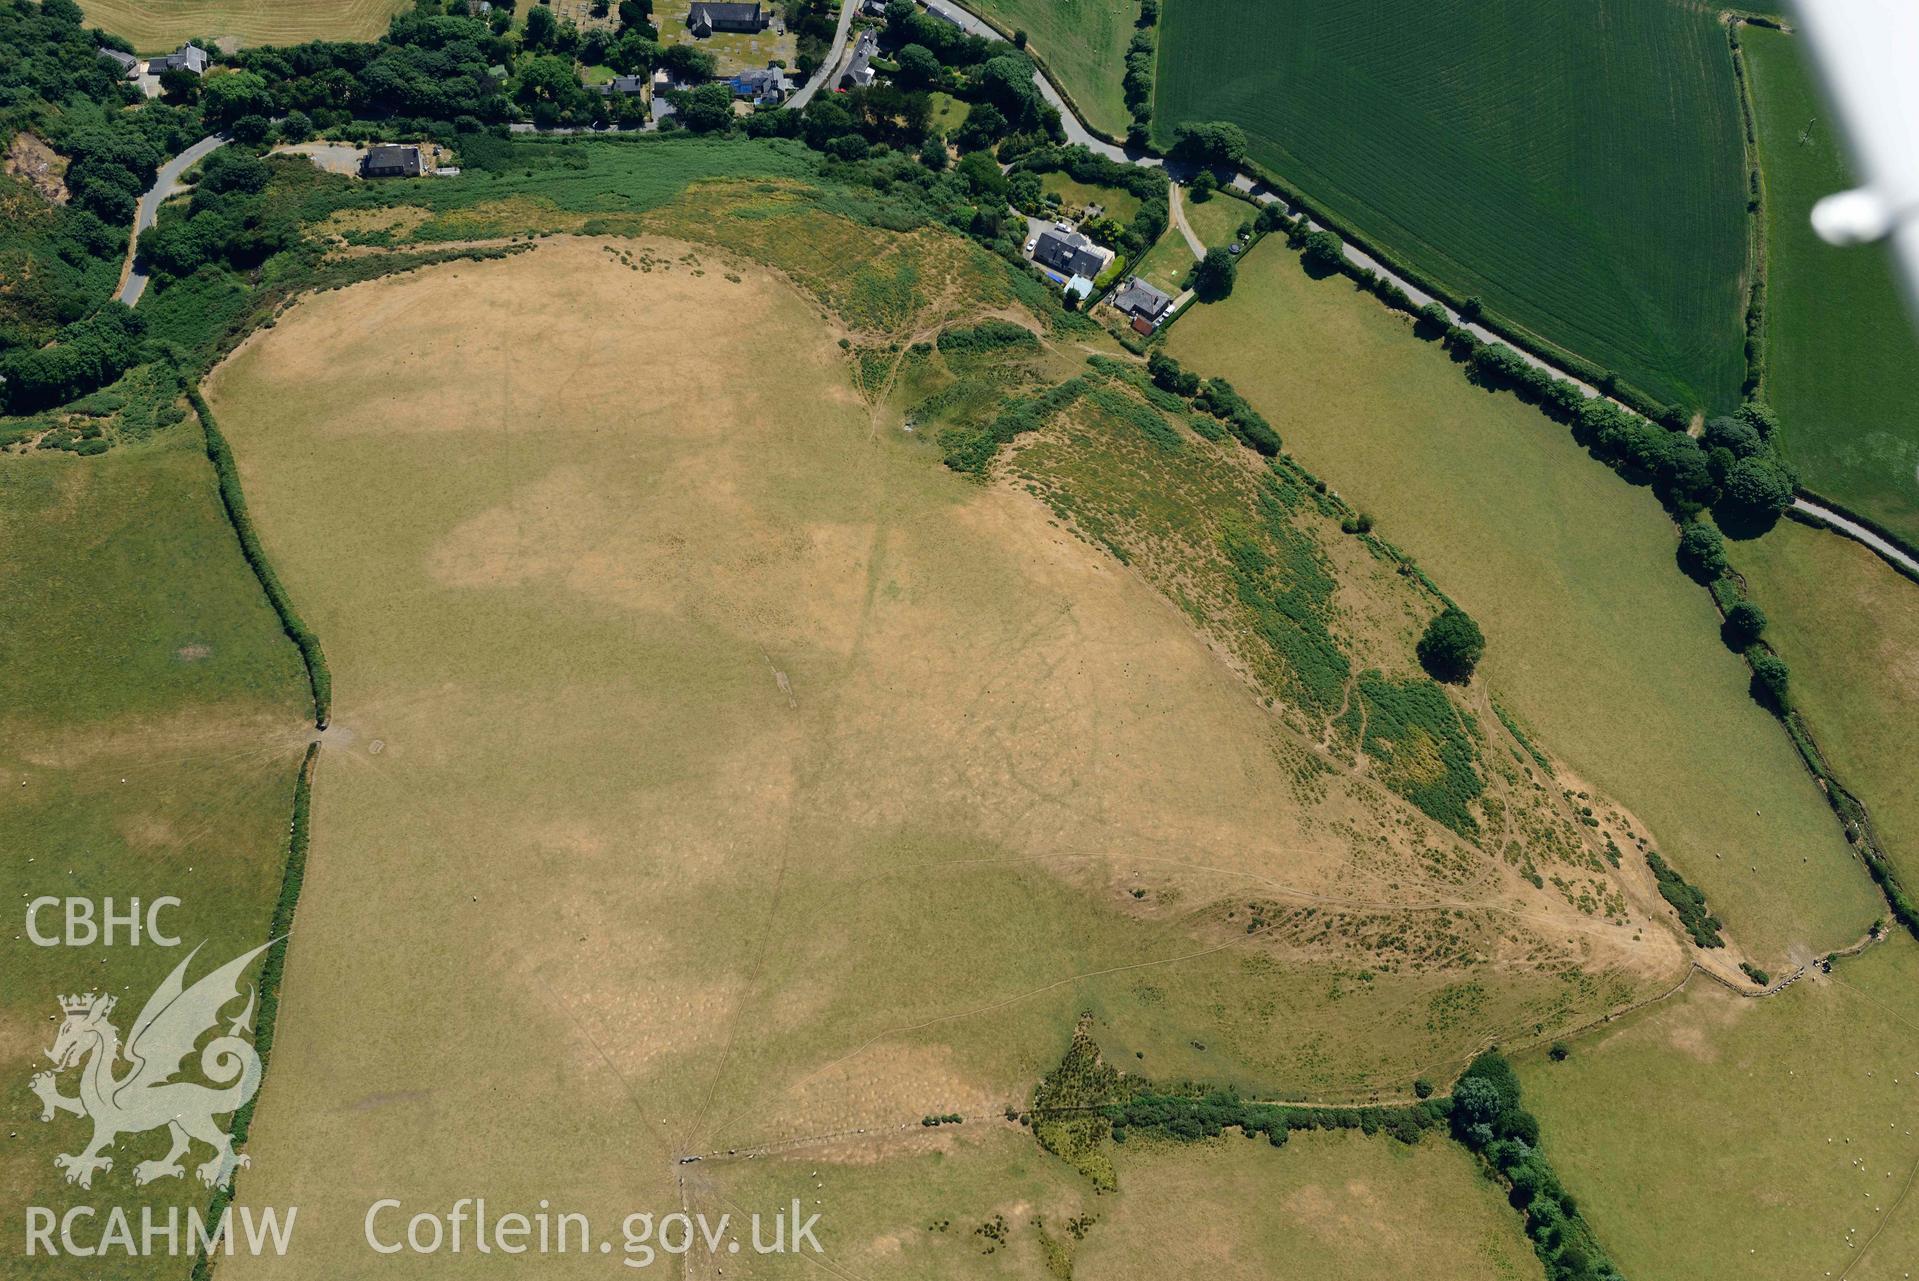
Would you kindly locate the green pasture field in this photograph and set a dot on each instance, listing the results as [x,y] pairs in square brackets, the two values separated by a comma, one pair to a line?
[1083,44]
[1576,167]
[152,720]
[1217,220]
[1713,1138]
[1838,337]
[160,26]
[1846,623]
[1594,637]
[1118,203]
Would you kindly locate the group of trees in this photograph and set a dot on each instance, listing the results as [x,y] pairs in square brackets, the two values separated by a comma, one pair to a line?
[1217,397]
[1137,84]
[1487,1117]
[59,260]
[228,220]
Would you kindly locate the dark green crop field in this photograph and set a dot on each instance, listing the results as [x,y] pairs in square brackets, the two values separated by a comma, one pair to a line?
[1838,339]
[1576,167]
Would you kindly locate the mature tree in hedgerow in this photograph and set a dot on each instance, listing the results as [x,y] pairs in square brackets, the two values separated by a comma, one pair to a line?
[1213,278]
[1702,551]
[1770,680]
[1744,623]
[1452,646]
[1323,252]
[1756,491]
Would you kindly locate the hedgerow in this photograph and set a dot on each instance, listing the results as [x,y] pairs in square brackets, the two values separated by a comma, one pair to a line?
[319,679]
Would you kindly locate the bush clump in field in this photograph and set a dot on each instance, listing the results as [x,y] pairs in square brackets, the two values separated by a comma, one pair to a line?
[1422,748]
[987,336]
[1687,901]
[1324,253]
[1452,646]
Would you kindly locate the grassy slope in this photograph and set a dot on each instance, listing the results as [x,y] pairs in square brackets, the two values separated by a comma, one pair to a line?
[1083,43]
[1297,1213]
[128,767]
[1577,170]
[1837,331]
[1327,1207]
[159,26]
[1595,639]
[1848,626]
[1713,1139]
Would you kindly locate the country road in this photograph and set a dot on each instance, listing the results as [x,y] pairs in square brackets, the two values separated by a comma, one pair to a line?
[133,282]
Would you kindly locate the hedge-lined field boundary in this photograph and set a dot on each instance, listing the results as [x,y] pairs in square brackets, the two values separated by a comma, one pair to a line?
[220,454]
[272,971]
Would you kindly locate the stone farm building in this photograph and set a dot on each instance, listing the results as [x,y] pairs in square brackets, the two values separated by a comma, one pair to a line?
[705,19]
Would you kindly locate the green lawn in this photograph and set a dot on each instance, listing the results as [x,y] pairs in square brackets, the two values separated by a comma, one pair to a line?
[1168,262]
[1595,638]
[1846,623]
[1216,221]
[1082,43]
[949,113]
[1838,337]
[1575,166]
[1118,203]
[152,719]
[1716,1139]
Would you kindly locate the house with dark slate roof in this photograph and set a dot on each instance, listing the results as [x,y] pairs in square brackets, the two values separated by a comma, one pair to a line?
[627,85]
[1069,253]
[1141,301]
[389,161]
[128,64]
[186,58]
[704,19]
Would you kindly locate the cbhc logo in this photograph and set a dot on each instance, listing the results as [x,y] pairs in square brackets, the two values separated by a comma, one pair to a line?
[85,926]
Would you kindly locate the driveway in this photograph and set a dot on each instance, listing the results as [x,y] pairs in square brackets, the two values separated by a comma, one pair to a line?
[133,282]
[830,67]
[334,157]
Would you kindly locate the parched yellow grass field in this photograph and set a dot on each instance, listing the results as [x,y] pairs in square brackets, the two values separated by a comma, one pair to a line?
[159,26]
[712,769]
[1329,1206]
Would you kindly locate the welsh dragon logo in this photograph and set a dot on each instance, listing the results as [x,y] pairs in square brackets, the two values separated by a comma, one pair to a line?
[145,1096]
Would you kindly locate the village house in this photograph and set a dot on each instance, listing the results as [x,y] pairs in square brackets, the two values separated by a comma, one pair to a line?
[859,72]
[705,19]
[627,85]
[186,58]
[1069,253]
[389,161]
[769,85]
[1146,305]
